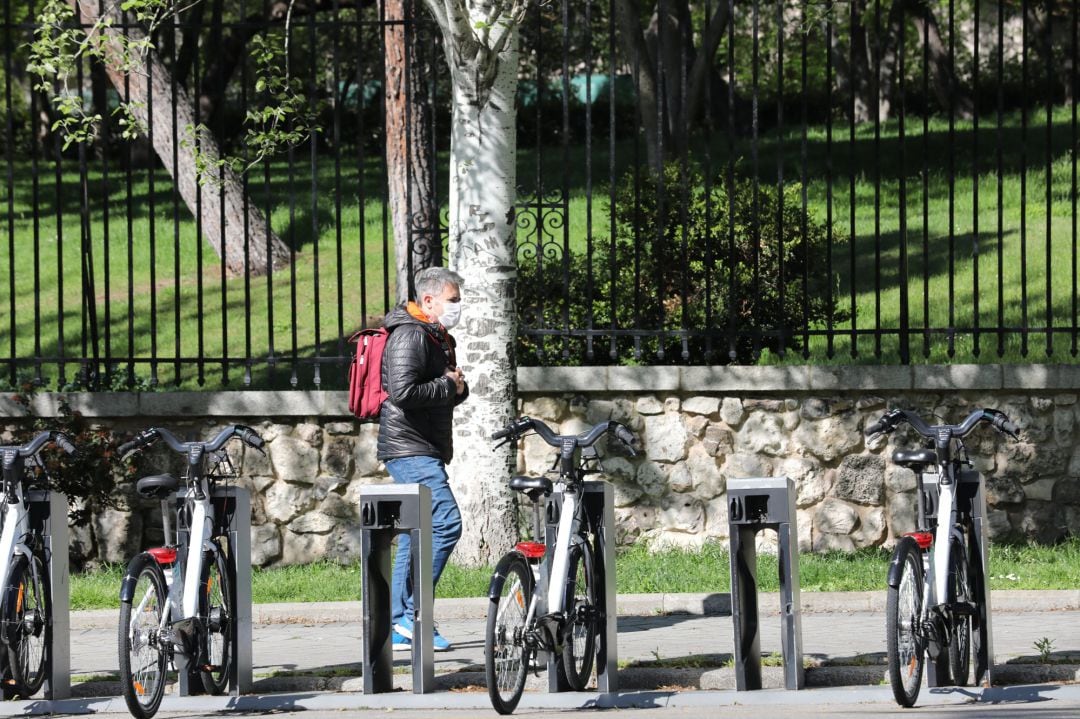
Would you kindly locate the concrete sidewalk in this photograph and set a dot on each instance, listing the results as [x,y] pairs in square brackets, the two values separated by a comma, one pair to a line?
[664,641]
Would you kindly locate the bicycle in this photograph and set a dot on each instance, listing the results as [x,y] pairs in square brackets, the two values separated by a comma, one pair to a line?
[174,603]
[523,619]
[936,583]
[26,605]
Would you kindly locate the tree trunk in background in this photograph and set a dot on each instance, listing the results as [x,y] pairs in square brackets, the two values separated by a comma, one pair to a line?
[483,249]
[852,65]
[408,150]
[947,90]
[263,249]
[642,64]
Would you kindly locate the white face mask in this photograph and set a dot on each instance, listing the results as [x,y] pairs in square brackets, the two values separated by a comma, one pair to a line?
[451,314]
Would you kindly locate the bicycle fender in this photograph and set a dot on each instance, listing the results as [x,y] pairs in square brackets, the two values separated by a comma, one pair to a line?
[895,567]
[127,586]
[501,568]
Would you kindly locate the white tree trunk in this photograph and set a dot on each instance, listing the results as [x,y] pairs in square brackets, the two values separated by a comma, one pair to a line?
[483,249]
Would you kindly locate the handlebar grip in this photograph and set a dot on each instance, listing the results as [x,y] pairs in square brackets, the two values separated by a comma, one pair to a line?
[127,447]
[1003,424]
[138,441]
[64,442]
[882,425]
[514,429]
[627,437]
[252,438]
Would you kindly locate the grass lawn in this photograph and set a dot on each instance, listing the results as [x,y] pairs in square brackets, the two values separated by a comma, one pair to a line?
[639,571]
[1012,261]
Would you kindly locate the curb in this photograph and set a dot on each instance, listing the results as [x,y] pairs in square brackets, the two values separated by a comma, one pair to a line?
[715,679]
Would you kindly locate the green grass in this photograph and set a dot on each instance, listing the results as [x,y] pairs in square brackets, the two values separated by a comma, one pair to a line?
[233,314]
[639,571]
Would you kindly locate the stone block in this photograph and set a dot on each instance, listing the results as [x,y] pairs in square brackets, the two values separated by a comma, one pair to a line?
[701,404]
[265,545]
[958,377]
[649,404]
[643,379]
[294,459]
[861,479]
[553,380]
[860,377]
[835,517]
[665,438]
[741,378]
[731,411]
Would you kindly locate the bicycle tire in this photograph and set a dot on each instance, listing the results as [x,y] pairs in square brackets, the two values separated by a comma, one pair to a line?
[143,659]
[27,609]
[579,640]
[506,656]
[960,629]
[216,610]
[906,650]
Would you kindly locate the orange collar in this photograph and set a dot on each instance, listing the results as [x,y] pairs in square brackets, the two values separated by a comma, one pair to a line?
[416,311]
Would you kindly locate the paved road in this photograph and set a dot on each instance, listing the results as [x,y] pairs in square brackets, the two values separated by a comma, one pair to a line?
[292,644]
[307,657]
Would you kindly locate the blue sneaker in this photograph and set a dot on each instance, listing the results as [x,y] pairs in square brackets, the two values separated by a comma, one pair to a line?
[404,628]
[400,643]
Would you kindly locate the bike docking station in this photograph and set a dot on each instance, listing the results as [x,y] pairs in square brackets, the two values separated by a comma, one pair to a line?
[754,505]
[387,511]
[232,518]
[49,511]
[970,501]
[598,503]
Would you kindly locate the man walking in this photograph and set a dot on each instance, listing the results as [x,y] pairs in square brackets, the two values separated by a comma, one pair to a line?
[423,384]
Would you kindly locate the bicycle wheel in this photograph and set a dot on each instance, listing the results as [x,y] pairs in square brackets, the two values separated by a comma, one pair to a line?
[143,656]
[960,627]
[216,611]
[26,611]
[506,657]
[904,639]
[579,645]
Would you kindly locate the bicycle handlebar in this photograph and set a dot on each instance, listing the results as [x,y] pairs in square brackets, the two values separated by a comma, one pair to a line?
[891,419]
[516,429]
[32,447]
[147,437]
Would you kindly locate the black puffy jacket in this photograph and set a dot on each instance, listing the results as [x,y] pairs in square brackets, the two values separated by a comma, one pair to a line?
[416,418]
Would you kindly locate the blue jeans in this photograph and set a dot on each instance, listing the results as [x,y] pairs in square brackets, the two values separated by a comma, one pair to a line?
[445,527]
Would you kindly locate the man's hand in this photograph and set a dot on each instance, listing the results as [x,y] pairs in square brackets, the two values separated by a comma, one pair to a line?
[459,379]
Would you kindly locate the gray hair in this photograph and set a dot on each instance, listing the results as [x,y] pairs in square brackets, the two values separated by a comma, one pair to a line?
[432,280]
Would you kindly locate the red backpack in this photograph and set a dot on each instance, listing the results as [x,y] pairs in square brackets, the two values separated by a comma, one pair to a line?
[366,393]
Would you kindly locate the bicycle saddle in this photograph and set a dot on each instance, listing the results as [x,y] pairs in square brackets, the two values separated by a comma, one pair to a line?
[914,457]
[157,486]
[531,487]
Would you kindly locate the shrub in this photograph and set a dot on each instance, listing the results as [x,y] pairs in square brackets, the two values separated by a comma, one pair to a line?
[731,272]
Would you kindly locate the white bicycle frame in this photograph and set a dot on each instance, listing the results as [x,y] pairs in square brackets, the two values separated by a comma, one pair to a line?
[184,594]
[568,526]
[16,526]
[937,592]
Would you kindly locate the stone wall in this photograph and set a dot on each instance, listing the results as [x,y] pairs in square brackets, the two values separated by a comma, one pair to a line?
[698,426]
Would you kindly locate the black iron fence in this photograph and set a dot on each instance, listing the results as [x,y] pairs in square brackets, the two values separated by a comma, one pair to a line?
[700,182]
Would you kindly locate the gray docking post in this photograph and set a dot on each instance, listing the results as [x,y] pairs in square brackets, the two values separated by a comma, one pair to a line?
[385,512]
[753,505]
